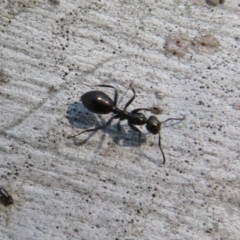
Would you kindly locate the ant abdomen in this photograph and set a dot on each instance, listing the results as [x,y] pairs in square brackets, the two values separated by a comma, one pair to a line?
[97,102]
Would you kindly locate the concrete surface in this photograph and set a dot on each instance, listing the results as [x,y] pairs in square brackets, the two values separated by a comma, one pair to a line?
[180,56]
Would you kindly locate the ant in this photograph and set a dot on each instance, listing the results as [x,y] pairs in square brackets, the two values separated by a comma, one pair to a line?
[5,198]
[100,103]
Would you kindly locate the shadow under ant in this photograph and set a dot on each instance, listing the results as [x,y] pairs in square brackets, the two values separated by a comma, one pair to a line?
[80,118]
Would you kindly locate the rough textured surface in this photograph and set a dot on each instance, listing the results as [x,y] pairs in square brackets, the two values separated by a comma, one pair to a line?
[181,56]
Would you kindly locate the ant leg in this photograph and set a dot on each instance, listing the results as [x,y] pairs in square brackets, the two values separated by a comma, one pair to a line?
[131,100]
[141,109]
[116,91]
[119,122]
[169,119]
[137,130]
[159,144]
[119,126]
[94,129]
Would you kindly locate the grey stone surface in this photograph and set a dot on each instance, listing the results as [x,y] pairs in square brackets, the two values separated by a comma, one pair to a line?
[181,56]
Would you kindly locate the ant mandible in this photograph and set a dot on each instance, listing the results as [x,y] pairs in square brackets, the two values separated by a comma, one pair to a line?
[100,103]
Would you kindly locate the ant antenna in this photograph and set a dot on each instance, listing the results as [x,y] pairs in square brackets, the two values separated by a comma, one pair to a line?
[169,119]
[159,139]
[160,147]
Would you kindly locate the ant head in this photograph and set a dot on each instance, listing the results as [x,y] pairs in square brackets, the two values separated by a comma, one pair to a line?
[153,125]
[138,119]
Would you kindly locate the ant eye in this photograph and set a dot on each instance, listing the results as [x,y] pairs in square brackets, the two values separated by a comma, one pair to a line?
[153,125]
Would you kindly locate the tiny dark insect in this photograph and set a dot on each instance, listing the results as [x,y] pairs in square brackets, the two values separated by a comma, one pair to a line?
[100,103]
[54,2]
[214,2]
[5,198]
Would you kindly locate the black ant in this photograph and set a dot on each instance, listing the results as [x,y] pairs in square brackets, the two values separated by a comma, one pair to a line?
[5,198]
[100,103]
